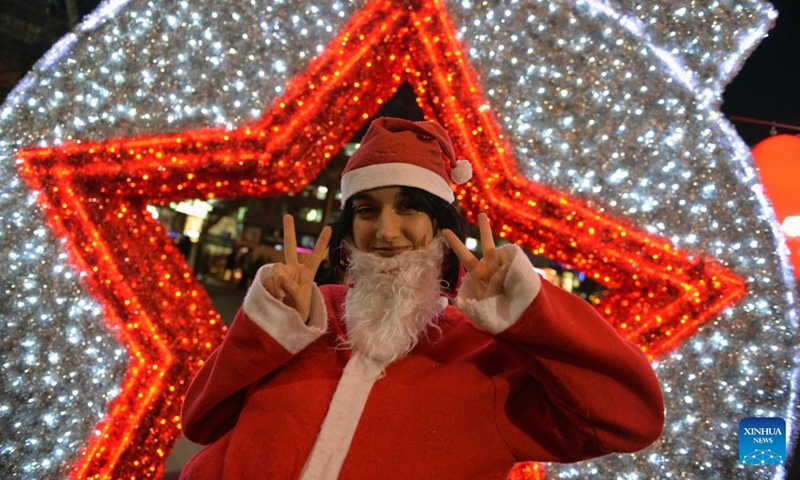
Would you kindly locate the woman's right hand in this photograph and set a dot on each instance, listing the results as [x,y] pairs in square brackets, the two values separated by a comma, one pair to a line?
[292,282]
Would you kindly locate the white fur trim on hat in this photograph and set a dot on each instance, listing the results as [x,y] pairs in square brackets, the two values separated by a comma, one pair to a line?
[394,175]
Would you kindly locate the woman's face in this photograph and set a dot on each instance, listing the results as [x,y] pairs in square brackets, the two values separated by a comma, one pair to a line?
[387,223]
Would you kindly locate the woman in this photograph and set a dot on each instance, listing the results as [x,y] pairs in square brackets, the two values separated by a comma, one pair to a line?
[382,378]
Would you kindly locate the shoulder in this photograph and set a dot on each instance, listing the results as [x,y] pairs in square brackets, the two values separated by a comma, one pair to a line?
[334,296]
[453,316]
[333,290]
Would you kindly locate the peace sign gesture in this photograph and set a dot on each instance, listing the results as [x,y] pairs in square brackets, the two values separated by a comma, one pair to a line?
[489,274]
[291,282]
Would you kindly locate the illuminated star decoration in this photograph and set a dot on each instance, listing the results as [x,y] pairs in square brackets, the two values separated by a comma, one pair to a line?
[94,193]
[659,295]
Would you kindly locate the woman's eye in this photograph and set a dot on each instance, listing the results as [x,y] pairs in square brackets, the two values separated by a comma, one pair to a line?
[365,211]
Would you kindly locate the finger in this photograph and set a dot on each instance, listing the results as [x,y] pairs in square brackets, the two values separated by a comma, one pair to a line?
[487,240]
[279,271]
[290,287]
[462,252]
[269,285]
[315,259]
[497,282]
[296,296]
[273,289]
[289,240]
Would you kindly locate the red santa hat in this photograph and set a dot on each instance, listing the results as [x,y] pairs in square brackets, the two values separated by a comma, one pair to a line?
[398,152]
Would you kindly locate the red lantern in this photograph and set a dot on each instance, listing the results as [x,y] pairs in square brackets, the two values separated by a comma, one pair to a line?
[778,162]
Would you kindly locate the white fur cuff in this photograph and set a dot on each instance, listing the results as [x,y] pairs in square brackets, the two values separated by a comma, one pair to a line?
[281,322]
[496,314]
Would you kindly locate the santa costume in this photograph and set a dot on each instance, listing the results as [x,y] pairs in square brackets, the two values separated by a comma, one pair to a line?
[531,374]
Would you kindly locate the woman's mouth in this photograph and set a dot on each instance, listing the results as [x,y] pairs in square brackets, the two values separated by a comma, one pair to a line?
[390,251]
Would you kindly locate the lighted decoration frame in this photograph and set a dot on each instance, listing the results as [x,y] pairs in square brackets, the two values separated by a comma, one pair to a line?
[659,295]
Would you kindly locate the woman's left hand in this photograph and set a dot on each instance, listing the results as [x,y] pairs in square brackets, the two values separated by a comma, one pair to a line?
[488,273]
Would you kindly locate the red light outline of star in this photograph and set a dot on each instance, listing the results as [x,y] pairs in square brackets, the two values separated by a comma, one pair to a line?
[382,46]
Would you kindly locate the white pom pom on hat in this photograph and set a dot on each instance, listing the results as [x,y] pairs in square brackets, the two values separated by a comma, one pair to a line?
[462,172]
[399,152]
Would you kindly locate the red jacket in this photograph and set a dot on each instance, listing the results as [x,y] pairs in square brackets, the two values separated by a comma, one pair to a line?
[557,385]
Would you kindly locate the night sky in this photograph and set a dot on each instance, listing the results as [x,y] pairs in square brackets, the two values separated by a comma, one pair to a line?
[768,86]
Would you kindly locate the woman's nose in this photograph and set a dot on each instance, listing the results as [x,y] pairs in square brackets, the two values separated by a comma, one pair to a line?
[388,227]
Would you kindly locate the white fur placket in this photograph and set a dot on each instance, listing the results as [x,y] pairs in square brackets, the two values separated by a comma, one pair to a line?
[333,442]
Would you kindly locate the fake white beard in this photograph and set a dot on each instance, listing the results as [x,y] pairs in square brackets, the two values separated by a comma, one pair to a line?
[392,301]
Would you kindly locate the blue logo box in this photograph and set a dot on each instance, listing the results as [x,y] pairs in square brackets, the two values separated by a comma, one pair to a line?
[762,441]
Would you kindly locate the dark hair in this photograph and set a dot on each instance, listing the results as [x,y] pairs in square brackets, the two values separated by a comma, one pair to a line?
[444,215]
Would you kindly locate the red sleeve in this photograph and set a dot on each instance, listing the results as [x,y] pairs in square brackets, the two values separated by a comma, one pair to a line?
[579,390]
[217,392]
